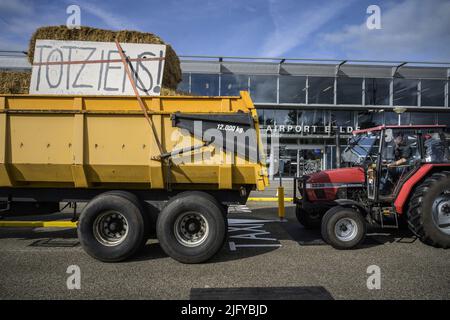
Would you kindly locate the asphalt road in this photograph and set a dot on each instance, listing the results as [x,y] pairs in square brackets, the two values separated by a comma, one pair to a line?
[33,265]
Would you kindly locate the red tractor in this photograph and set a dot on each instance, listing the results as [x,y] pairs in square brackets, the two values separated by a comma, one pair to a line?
[388,176]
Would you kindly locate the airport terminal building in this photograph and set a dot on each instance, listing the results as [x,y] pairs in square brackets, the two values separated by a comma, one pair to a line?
[307,102]
[311,102]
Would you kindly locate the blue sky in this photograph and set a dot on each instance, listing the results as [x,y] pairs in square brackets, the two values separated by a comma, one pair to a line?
[411,29]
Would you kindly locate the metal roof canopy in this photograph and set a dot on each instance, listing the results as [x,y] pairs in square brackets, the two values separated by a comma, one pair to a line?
[316,67]
[297,66]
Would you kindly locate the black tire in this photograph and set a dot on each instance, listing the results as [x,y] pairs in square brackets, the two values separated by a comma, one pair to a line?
[206,195]
[91,218]
[222,207]
[208,211]
[133,198]
[310,220]
[336,215]
[421,209]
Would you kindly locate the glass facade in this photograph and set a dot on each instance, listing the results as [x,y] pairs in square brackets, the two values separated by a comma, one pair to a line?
[443,118]
[313,90]
[405,92]
[263,89]
[292,89]
[349,91]
[432,93]
[314,118]
[342,118]
[231,84]
[377,91]
[320,90]
[422,118]
[366,119]
[184,85]
[205,84]
[307,110]
[392,118]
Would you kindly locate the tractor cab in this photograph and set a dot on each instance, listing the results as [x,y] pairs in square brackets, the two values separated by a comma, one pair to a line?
[391,154]
[386,174]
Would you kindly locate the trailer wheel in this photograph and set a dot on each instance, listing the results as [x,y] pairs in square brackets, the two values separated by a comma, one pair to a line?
[429,211]
[222,207]
[145,215]
[310,220]
[343,228]
[191,228]
[211,198]
[111,227]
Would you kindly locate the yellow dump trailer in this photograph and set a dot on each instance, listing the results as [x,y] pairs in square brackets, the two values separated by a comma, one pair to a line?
[176,166]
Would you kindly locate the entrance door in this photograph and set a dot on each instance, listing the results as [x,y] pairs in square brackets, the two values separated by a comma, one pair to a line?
[310,160]
[298,160]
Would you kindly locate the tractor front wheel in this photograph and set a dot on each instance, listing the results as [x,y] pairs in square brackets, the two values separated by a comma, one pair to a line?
[343,228]
[429,211]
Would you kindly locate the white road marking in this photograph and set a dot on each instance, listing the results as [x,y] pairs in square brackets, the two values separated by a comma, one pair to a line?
[233,245]
[239,209]
[250,229]
[245,221]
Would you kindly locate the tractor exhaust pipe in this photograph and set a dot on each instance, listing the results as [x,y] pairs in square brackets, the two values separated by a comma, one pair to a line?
[338,150]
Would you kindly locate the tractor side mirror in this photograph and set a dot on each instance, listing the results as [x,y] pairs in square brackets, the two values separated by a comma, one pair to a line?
[388,135]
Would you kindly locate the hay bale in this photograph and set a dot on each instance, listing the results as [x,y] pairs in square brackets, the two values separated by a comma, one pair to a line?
[172,69]
[170,92]
[14,82]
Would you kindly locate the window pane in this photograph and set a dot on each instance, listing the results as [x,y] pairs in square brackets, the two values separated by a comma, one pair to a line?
[433,93]
[320,90]
[422,118]
[405,92]
[369,119]
[184,84]
[349,90]
[260,113]
[391,118]
[292,116]
[205,84]
[263,88]
[292,89]
[342,119]
[233,83]
[405,118]
[284,117]
[268,117]
[315,121]
[377,92]
[313,118]
[299,117]
[444,118]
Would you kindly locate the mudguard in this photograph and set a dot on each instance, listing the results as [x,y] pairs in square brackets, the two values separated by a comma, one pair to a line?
[407,188]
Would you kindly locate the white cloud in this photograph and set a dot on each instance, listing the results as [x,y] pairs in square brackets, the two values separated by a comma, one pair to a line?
[293,26]
[20,18]
[15,7]
[411,29]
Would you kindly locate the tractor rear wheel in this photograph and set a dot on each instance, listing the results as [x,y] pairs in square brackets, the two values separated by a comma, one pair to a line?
[429,210]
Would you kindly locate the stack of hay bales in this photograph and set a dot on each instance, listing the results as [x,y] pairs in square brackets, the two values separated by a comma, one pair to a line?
[18,82]
[14,82]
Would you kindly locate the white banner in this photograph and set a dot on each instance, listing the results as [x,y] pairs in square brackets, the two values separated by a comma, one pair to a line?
[95,68]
